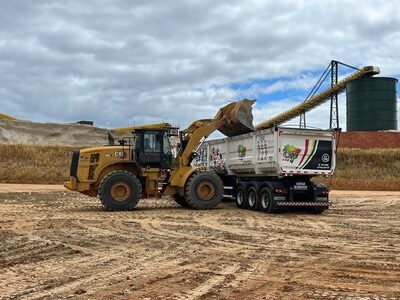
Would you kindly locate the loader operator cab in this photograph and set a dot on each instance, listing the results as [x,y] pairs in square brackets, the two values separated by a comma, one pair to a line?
[153,149]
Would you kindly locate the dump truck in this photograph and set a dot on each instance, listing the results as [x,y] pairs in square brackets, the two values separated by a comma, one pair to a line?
[143,166]
[271,169]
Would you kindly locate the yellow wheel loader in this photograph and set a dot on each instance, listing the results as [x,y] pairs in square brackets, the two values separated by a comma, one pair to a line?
[141,166]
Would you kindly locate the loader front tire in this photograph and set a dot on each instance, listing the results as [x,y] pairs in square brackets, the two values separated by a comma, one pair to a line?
[203,190]
[120,190]
[180,200]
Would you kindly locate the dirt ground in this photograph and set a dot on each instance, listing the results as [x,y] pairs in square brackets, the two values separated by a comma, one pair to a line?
[56,244]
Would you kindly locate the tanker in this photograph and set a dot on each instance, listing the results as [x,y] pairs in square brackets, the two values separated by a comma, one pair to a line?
[271,169]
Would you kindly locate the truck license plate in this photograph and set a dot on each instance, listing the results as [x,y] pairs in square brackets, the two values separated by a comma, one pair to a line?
[300,186]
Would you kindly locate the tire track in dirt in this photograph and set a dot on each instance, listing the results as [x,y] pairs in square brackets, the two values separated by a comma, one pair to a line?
[212,282]
[319,226]
[62,245]
[87,278]
[212,240]
[299,269]
[92,280]
[97,254]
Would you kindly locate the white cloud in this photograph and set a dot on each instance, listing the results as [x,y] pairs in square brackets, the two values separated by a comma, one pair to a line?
[126,62]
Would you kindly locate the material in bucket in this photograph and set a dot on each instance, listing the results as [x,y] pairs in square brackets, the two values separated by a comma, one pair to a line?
[239,118]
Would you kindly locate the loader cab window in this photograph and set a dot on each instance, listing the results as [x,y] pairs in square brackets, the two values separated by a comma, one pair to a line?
[152,141]
[166,161]
[167,145]
[149,154]
[154,150]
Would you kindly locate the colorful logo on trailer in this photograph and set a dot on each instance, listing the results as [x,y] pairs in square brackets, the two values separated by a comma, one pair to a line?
[241,150]
[290,153]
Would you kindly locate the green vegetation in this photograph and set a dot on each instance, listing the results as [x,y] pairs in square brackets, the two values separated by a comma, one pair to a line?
[373,169]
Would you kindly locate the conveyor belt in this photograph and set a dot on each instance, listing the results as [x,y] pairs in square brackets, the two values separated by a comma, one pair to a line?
[317,99]
[6,117]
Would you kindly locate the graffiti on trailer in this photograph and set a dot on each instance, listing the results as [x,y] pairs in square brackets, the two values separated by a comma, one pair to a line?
[262,151]
[217,162]
[201,158]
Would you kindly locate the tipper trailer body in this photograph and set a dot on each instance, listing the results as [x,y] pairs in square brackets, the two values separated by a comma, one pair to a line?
[271,169]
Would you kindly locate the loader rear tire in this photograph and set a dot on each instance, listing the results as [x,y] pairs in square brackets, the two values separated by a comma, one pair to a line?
[203,190]
[120,190]
[180,200]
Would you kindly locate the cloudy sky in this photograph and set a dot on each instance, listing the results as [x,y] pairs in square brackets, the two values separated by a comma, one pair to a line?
[127,62]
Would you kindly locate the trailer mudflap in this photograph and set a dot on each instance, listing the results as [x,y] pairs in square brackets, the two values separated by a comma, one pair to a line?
[305,204]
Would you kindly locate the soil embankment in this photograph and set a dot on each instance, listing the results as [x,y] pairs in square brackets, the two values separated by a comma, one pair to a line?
[370,140]
[74,134]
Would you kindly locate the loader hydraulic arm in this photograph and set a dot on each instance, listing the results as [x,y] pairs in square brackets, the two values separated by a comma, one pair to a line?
[233,119]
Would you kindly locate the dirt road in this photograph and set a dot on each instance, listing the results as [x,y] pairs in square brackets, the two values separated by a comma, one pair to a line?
[62,245]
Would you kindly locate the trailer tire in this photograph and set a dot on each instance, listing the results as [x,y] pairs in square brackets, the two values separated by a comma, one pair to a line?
[180,200]
[204,190]
[120,190]
[253,201]
[266,200]
[240,197]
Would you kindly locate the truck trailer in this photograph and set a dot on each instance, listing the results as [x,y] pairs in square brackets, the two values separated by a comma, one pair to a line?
[271,169]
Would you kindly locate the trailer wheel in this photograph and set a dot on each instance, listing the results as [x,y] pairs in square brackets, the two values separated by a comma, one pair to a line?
[240,197]
[203,190]
[180,200]
[266,200]
[120,190]
[253,201]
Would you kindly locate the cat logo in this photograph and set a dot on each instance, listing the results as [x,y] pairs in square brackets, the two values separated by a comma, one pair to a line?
[120,154]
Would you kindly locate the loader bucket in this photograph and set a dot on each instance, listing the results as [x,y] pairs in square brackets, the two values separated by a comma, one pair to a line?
[239,118]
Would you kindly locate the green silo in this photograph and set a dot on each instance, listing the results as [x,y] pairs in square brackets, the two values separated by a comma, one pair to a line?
[371,104]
